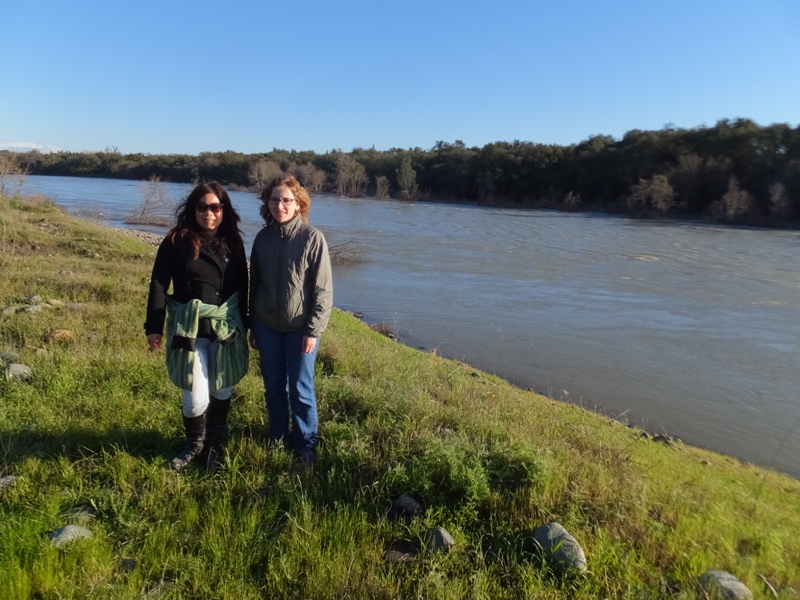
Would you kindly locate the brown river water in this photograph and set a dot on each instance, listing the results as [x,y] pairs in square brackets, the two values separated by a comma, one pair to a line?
[679,327]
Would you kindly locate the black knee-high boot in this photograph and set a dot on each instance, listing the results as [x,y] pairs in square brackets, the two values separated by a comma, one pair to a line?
[195,434]
[216,428]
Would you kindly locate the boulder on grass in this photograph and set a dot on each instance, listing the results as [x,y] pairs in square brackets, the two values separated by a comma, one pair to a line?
[559,547]
[68,533]
[439,539]
[724,586]
[18,372]
[405,507]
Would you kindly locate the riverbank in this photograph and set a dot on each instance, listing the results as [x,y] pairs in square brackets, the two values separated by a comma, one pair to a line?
[97,422]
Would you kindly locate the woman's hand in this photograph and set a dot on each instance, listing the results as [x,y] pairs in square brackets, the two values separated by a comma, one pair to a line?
[154,340]
[309,343]
[253,343]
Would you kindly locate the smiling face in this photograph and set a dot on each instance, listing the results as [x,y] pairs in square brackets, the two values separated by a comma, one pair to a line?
[282,204]
[208,220]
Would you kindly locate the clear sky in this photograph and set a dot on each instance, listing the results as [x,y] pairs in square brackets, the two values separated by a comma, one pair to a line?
[179,76]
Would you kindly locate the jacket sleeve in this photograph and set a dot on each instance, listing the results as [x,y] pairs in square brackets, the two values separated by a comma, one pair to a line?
[159,285]
[322,282]
[241,286]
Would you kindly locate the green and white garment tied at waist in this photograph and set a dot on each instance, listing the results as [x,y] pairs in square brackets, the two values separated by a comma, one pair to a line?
[232,358]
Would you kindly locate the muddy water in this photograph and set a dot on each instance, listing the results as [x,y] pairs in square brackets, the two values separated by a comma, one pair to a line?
[681,327]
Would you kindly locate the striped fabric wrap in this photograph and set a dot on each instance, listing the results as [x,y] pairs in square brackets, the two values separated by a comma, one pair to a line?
[233,354]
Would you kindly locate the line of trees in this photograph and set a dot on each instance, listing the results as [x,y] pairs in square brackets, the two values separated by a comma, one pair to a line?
[736,171]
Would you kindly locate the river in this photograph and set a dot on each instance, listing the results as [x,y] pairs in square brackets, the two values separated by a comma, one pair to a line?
[680,327]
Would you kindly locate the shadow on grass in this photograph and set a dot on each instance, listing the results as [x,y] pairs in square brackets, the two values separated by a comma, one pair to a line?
[148,444]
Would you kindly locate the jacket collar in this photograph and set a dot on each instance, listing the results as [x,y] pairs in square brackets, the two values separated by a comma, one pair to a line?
[288,228]
[220,262]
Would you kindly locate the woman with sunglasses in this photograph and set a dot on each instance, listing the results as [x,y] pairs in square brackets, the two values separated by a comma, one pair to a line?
[291,296]
[203,258]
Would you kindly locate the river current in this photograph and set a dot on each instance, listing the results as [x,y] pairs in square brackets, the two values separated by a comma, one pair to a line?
[680,327]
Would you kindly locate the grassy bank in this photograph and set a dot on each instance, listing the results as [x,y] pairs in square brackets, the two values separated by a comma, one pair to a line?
[99,420]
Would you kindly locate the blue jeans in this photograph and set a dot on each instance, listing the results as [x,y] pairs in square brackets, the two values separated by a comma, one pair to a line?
[288,383]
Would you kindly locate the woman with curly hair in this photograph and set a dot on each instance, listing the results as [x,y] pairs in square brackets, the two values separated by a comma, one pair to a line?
[291,296]
[203,258]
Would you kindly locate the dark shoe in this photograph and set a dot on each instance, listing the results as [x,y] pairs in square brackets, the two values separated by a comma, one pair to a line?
[216,428]
[195,434]
[308,458]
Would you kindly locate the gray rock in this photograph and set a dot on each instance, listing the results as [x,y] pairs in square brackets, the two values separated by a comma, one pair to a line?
[396,556]
[9,310]
[35,299]
[18,372]
[439,539]
[128,565]
[76,306]
[400,551]
[68,533]
[9,356]
[81,514]
[559,546]
[7,481]
[723,585]
[42,352]
[405,507]
[54,302]
[66,272]
[33,308]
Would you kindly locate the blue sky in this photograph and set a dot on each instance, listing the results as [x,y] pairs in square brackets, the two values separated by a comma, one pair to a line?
[187,77]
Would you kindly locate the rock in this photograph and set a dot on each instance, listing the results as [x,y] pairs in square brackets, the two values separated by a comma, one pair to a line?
[76,306]
[559,546]
[68,533]
[664,439]
[399,552]
[405,507]
[128,565]
[723,585]
[9,310]
[395,556]
[9,356]
[7,481]
[18,372]
[35,299]
[439,539]
[42,352]
[60,335]
[54,302]
[476,374]
[33,308]
[65,272]
[81,514]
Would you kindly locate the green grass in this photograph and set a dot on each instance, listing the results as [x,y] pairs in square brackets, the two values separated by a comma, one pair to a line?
[490,462]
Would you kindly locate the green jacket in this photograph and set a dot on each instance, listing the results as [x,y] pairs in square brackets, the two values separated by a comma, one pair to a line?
[290,278]
[232,358]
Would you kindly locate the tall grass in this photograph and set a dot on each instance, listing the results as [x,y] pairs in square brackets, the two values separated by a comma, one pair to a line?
[99,421]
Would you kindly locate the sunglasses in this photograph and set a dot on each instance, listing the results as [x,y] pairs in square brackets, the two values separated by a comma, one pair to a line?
[214,208]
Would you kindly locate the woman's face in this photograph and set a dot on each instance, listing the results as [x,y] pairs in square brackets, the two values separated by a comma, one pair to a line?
[282,204]
[204,211]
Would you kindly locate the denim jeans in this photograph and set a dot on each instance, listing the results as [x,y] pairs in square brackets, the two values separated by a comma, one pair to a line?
[204,376]
[288,384]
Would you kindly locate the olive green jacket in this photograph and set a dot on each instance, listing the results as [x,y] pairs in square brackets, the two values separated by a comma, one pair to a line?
[182,328]
[290,278]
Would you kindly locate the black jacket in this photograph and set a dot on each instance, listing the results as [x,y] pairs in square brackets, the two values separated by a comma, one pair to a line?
[207,278]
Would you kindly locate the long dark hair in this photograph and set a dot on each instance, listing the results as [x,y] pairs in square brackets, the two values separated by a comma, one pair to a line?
[188,232]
